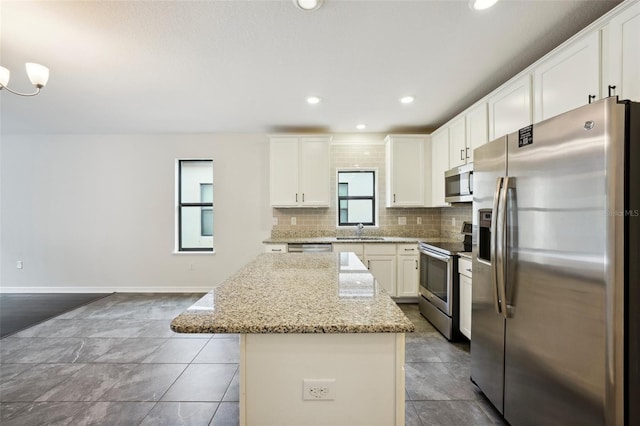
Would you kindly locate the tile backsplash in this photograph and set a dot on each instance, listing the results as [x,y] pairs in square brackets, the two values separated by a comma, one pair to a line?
[322,222]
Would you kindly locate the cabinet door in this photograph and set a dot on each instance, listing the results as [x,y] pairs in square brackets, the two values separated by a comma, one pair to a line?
[465,306]
[568,78]
[621,55]
[510,108]
[477,129]
[314,172]
[405,171]
[356,248]
[439,165]
[284,172]
[457,143]
[383,268]
[408,273]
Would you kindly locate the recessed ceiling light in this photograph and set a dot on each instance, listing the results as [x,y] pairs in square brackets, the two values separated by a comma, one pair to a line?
[312,100]
[308,4]
[407,99]
[361,126]
[481,4]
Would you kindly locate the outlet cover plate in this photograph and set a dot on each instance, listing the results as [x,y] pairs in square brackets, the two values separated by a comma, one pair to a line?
[319,389]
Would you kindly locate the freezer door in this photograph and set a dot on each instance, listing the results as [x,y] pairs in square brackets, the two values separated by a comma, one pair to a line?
[487,345]
[556,278]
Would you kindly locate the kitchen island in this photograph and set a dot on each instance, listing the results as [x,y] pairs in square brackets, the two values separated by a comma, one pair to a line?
[320,341]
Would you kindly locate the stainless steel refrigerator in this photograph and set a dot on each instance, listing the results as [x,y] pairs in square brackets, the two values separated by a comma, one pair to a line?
[556,255]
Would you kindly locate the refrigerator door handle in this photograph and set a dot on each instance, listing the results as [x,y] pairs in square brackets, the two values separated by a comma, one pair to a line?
[494,244]
[507,184]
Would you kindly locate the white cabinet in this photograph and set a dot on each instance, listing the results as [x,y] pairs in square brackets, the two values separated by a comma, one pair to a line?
[405,170]
[465,274]
[299,171]
[621,54]
[275,248]
[380,259]
[408,270]
[394,266]
[458,151]
[477,121]
[356,248]
[510,107]
[439,165]
[569,78]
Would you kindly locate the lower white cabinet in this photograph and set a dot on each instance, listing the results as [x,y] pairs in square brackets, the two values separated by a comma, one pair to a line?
[380,259]
[464,270]
[357,248]
[408,270]
[383,268]
[275,248]
[395,266]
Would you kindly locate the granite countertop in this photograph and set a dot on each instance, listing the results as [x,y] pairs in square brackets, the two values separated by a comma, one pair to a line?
[296,293]
[346,239]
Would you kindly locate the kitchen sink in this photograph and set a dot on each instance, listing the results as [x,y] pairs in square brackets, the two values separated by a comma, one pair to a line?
[361,238]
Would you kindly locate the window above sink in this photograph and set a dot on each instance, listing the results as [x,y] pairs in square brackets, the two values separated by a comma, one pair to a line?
[356,197]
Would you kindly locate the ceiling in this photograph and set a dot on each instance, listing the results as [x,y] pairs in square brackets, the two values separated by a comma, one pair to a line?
[247,66]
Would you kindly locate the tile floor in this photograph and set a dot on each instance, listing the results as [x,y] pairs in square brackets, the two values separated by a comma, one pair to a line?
[116,362]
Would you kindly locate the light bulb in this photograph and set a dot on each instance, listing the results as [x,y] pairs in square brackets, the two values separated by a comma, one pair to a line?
[4,76]
[38,74]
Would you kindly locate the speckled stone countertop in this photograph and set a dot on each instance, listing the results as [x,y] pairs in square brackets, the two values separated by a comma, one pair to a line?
[334,240]
[296,293]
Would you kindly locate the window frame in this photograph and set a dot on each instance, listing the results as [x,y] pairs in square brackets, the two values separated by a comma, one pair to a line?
[373,197]
[180,205]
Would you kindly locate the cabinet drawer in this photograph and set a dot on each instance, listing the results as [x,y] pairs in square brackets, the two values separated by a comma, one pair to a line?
[356,248]
[465,267]
[407,249]
[275,248]
[380,249]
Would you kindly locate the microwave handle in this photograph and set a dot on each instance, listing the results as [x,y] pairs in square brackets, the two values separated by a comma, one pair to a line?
[470,183]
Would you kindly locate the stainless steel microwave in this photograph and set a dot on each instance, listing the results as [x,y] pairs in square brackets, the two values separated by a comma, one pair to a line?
[458,184]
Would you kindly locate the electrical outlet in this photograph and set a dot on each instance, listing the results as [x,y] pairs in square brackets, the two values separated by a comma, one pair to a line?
[19,264]
[294,221]
[192,266]
[402,220]
[274,221]
[419,221]
[318,389]
[453,221]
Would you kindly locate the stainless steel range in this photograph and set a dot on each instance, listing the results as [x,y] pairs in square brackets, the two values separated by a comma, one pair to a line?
[438,299]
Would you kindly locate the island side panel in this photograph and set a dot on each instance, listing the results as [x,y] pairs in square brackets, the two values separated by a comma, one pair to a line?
[368,369]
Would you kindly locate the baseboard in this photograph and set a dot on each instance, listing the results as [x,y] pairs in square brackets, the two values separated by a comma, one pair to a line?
[105,289]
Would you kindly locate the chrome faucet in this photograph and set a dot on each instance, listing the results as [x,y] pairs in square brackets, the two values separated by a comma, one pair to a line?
[359,228]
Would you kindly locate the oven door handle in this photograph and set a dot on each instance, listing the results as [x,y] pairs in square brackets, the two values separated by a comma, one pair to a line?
[436,256]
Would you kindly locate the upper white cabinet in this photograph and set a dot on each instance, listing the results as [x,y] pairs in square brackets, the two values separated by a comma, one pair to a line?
[568,79]
[510,107]
[299,171]
[621,55]
[439,165]
[405,170]
[477,121]
[458,151]
[467,133]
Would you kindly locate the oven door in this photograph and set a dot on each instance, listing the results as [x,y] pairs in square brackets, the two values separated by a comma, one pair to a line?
[436,280]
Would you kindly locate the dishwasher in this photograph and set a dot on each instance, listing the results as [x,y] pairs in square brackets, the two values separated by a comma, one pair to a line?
[309,248]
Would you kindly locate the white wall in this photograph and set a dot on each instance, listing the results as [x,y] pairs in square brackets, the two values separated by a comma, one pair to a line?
[96,212]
